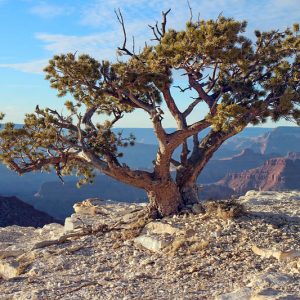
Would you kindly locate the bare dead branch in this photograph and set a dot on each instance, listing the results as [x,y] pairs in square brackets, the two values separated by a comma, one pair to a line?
[133,45]
[191,10]
[198,18]
[160,32]
[164,21]
[157,29]
[121,21]
[154,33]
[182,89]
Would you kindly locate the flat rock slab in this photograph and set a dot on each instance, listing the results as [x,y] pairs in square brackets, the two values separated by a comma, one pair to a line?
[94,212]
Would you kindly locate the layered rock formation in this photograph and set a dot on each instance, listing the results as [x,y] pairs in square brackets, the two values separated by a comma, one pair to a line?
[216,169]
[280,140]
[105,253]
[15,212]
[281,173]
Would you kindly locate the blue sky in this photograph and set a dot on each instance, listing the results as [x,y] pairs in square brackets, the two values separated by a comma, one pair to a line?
[32,31]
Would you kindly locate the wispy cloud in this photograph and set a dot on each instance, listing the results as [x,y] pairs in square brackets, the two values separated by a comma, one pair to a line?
[35,66]
[99,15]
[100,45]
[267,13]
[46,10]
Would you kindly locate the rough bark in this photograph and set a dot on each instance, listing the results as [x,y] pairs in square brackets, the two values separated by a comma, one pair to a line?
[189,193]
[166,198]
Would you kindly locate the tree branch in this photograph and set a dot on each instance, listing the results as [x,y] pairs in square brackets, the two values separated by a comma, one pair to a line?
[177,115]
[176,138]
[147,107]
[87,118]
[184,153]
[191,107]
[201,155]
[202,94]
[191,10]
[121,21]
[137,178]
[164,21]
[159,33]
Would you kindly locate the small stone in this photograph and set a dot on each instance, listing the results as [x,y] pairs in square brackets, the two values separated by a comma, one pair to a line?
[190,233]
[280,255]
[9,269]
[89,206]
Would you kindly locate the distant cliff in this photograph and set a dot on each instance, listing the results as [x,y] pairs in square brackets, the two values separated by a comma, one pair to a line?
[216,169]
[280,140]
[15,212]
[275,174]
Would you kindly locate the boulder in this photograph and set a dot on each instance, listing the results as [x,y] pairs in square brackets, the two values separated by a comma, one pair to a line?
[90,206]
[197,209]
[156,235]
[152,243]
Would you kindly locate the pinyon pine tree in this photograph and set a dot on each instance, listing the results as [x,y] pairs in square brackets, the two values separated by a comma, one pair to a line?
[240,81]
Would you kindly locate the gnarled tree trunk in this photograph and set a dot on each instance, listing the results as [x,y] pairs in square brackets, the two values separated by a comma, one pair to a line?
[165,198]
[189,193]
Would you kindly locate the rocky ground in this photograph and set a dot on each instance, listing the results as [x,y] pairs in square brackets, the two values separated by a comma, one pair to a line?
[105,252]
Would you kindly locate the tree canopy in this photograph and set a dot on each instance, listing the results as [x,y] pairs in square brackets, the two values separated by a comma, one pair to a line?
[242,81]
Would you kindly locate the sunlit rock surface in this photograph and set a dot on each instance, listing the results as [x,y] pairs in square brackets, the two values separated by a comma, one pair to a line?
[202,256]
